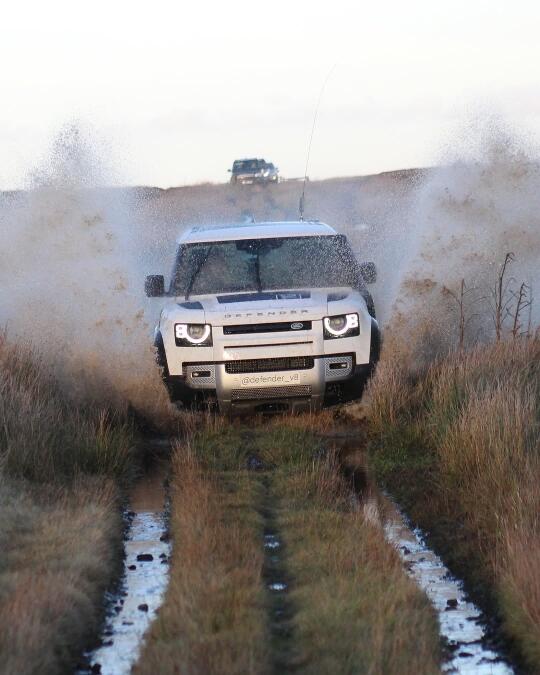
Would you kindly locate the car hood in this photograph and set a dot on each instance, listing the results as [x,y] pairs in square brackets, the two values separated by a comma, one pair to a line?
[267,306]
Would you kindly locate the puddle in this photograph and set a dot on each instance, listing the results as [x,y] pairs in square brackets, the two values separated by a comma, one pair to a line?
[461,622]
[279,607]
[133,608]
[277,586]
[273,564]
[271,541]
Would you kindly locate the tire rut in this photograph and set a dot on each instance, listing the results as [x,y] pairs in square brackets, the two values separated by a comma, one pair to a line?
[276,578]
[132,607]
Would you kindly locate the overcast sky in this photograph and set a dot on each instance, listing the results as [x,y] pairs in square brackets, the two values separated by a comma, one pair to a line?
[179,89]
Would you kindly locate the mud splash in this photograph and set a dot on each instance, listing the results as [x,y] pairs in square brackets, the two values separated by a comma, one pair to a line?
[479,204]
[461,623]
[146,574]
[76,265]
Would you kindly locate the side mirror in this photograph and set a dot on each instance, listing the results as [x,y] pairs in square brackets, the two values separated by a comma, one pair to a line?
[154,286]
[229,170]
[369,272]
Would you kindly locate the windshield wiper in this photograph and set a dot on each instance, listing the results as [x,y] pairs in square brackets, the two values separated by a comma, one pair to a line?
[196,272]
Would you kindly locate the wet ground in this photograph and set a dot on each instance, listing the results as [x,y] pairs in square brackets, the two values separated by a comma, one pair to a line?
[462,626]
[146,571]
[147,550]
[461,622]
[276,581]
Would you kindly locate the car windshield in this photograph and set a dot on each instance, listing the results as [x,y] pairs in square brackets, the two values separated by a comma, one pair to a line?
[264,264]
[246,165]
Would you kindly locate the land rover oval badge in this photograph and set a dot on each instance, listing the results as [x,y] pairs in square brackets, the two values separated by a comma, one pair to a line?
[297,325]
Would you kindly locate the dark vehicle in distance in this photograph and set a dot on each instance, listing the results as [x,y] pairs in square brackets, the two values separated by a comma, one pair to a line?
[253,171]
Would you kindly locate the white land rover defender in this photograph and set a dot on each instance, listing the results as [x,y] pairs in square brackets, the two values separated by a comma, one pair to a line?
[266,317]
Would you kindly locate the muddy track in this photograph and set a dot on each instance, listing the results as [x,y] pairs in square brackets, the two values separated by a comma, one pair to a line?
[133,604]
[465,631]
[278,584]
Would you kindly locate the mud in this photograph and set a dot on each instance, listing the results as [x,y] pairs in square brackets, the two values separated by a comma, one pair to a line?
[146,573]
[463,628]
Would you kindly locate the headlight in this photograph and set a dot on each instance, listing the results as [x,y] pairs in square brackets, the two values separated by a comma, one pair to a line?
[193,334]
[344,325]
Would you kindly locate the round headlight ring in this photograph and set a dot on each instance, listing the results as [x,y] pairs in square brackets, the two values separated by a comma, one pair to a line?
[195,333]
[340,325]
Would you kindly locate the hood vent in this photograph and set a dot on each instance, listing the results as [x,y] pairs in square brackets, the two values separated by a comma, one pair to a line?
[191,305]
[334,297]
[260,297]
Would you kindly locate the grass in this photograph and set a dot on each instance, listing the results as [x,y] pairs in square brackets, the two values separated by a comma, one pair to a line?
[214,616]
[356,610]
[458,443]
[351,607]
[44,437]
[59,550]
[60,523]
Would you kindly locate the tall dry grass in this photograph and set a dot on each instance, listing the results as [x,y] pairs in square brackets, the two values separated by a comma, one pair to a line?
[460,442]
[58,551]
[44,436]
[60,522]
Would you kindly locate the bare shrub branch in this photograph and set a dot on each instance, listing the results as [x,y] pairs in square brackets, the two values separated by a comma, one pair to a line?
[500,293]
[463,305]
[523,301]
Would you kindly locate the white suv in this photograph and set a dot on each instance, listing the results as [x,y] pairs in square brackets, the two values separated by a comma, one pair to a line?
[265,317]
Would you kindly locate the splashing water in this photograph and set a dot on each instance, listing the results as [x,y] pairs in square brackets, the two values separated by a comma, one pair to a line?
[465,215]
[70,279]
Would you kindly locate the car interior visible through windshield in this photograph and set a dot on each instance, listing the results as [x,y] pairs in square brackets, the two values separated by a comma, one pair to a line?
[264,264]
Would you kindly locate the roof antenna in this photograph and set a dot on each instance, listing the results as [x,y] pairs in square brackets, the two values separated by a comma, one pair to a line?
[303,195]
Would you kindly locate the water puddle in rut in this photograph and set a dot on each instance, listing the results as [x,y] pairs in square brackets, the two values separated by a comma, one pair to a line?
[134,606]
[461,623]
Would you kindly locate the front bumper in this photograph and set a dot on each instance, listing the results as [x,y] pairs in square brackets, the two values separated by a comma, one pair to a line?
[254,179]
[324,380]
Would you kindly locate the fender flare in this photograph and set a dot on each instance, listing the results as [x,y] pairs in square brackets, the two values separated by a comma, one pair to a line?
[369,302]
[375,342]
[161,356]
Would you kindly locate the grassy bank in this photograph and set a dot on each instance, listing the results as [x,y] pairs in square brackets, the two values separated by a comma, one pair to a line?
[60,524]
[458,444]
[351,607]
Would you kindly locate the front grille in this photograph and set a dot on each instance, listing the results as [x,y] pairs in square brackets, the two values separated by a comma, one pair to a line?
[269,365]
[295,391]
[275,327]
